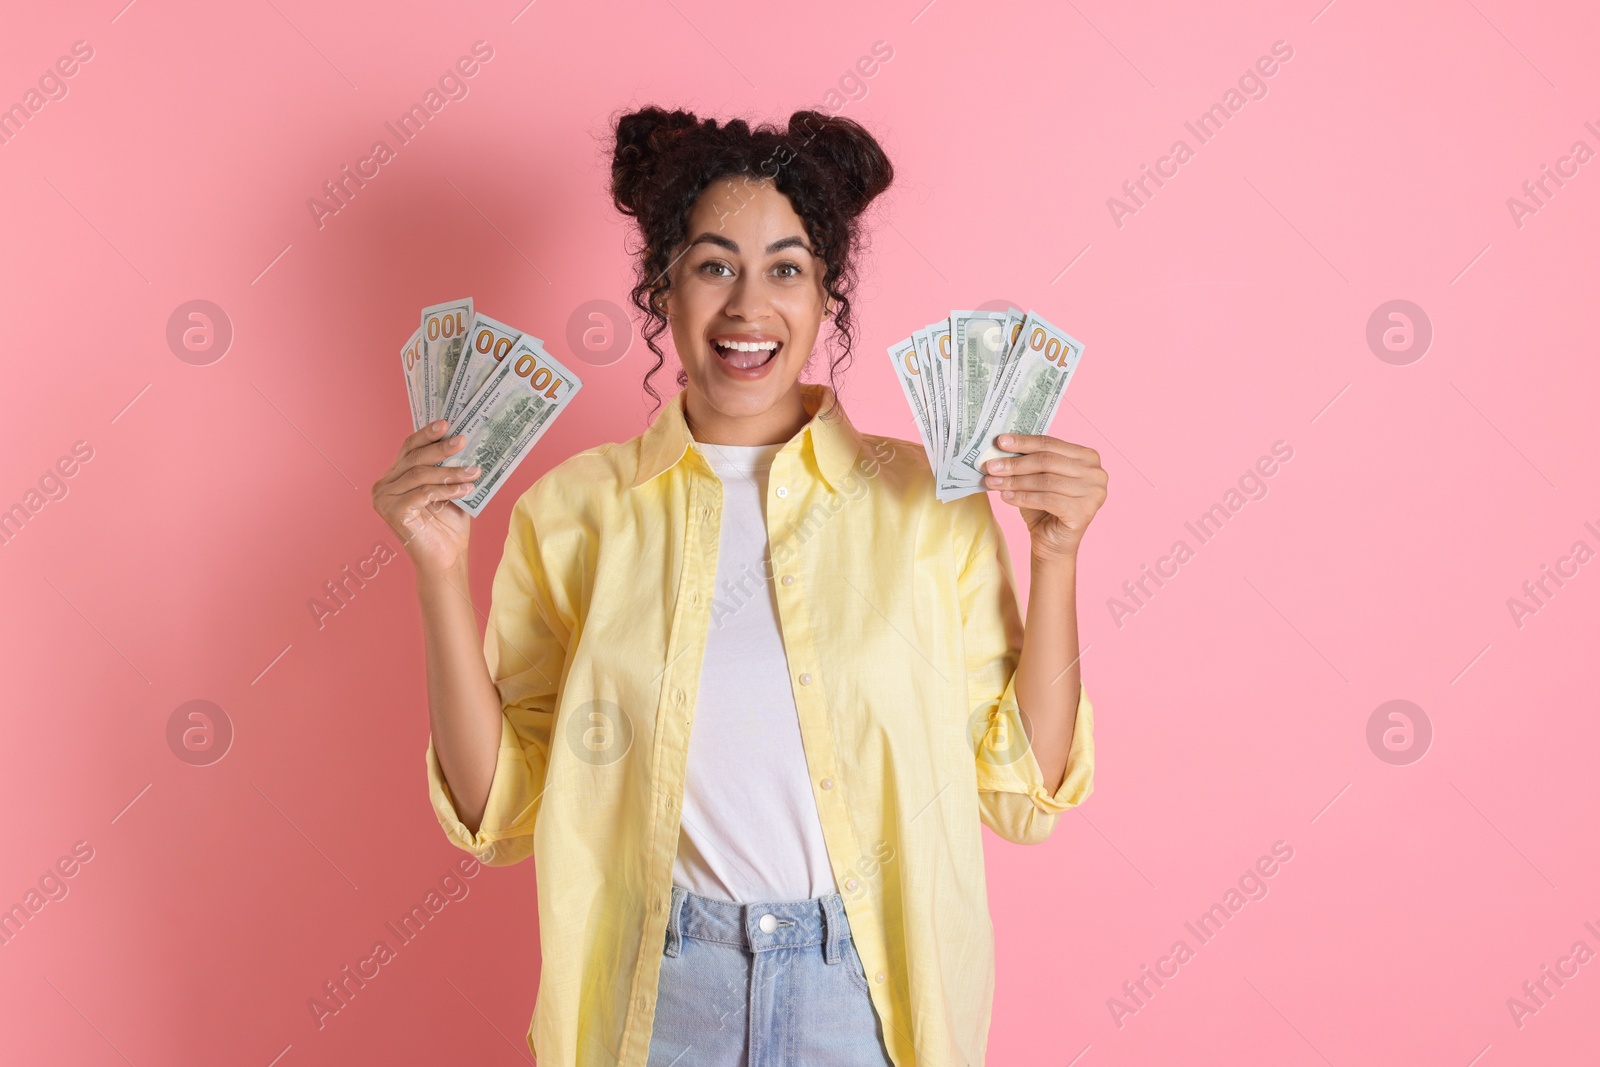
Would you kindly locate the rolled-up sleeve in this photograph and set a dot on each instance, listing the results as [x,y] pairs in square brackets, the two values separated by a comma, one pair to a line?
[524,644]
[1013,799]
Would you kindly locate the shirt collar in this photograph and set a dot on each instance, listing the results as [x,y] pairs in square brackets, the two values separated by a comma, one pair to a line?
[833,439]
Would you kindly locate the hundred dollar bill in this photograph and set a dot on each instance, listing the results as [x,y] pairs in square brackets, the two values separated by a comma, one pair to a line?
[1032,384]
[444,332]
[940,358]
[485,349]
[909,371]
[1014,317]
[938,340]
[978,344]
[924,384]
[411,364]
[510,412]
[948,495]
[943,334]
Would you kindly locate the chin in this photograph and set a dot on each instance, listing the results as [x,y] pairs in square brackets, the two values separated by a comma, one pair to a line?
[733,397]
[744,398]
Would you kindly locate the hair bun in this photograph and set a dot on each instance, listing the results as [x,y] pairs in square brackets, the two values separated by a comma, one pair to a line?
[642,136]
[844,147]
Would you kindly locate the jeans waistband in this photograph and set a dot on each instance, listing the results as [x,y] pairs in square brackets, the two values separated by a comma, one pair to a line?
[758,927]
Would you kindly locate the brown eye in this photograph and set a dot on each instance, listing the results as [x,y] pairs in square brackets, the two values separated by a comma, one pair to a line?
[791,266]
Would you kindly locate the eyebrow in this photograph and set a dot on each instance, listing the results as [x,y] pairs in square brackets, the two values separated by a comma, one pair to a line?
[780,243]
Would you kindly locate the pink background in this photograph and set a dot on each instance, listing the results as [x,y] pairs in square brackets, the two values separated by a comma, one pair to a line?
[1228,313]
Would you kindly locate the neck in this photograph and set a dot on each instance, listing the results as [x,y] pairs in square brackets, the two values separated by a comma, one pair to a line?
[777,424]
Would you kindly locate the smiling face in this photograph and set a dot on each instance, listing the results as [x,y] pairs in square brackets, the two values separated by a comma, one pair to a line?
[745,306]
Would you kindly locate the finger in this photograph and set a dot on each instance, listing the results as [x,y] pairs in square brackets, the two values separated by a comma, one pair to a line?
[413,450]
[1044,482]
[430,431]
[1048,462]
[426,475]
[423,495]
[1044,501]
[431,453]
[1038,442]
[1031,462]
[428,457]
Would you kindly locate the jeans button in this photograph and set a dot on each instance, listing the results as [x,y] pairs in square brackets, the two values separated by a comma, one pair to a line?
[769,923]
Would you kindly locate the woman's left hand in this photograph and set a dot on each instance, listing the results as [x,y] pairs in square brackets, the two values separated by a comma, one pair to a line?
[1058,486]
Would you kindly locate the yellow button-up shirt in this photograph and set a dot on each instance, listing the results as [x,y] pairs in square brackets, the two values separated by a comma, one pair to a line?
[902,633]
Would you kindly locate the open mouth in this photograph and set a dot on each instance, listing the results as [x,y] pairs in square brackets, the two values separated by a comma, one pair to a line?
[746,355]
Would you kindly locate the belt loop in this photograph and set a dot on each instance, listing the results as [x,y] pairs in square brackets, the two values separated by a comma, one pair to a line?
[834,926]
[674,928]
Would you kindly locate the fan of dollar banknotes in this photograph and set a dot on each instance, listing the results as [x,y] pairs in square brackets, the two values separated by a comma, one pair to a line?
[490,382]
[976,375]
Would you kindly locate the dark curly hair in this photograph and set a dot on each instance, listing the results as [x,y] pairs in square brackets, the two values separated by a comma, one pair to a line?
[829,167]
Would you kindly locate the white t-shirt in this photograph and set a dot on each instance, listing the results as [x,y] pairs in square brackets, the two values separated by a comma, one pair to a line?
[750,831]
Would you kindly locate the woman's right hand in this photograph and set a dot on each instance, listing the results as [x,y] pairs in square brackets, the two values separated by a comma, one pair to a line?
[414,497]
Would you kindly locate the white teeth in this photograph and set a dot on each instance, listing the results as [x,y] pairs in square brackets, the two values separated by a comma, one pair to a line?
[747,346]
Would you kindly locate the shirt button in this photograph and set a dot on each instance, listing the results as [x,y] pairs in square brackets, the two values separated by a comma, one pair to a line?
[788,579]
[769,923]
[878,977]
[827,783]
[850,884]
[805,679]
[783,490]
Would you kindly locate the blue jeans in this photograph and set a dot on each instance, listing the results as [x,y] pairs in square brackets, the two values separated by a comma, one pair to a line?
[763,985]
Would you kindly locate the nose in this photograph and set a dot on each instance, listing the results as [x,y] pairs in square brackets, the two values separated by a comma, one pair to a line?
[748,298]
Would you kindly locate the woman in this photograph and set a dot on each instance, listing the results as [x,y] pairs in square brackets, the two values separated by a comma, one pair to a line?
[747,689]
